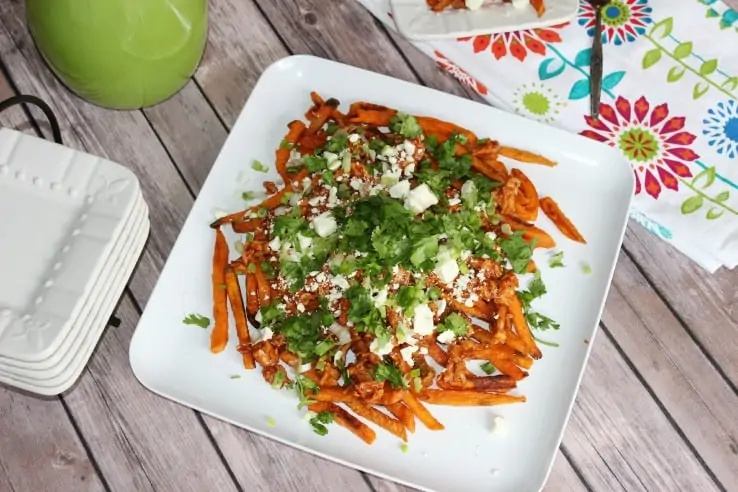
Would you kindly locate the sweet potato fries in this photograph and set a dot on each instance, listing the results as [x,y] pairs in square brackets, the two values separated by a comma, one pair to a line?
[382,276]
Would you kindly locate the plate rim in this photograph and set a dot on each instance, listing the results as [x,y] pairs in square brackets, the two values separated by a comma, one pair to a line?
[396,7]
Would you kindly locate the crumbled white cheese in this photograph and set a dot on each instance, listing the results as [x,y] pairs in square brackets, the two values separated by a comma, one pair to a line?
[356,184]
[498,425]
[381,298]
[275,244]
[518,4]
[300,307]
[409,170]
[266,334]
[441,306]
[340,282]
[454,201]
[423,320]
[354,137]
[491,235]
[420,199]
[407,354]
[447,269]
[324,224]
[400,190]
[408,147]
[305,242]
[383,350]
[476,4]
[447,336]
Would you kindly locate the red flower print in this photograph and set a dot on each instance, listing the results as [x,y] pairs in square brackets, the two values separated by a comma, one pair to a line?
[459,73]
[516,43]
[654,143]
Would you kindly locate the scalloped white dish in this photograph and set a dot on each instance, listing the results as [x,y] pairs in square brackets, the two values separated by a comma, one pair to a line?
[592,183]
[416,21]
[65,211]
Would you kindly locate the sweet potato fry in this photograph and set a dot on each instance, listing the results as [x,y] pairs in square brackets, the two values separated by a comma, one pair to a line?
[263,288]
[219,335]
[525,156]
[421,412]
[539,7]
[553,212]
[531,232]
[252,294]
[296,128]
[522,329]
[247,225]
[333,393]
[437,353]
[467,398]
[491,168]
[373,415]
[233,289]
[322,114]
[499,327]
[345,419]
[404,415]
[444,129]
[526,206]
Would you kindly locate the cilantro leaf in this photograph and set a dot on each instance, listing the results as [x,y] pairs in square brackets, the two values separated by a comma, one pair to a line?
[406,125]
[387,371]
[320,420]
[196,319]
[557,260]
[517,250]
[456,324]
[302,386]
[258,166]
[541,322]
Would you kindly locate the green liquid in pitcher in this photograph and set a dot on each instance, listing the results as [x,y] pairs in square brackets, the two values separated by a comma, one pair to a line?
[121,54]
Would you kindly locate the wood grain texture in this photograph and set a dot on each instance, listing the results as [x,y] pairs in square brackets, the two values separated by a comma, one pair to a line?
[127,138]
[141,441]
[39,448]
[620,438]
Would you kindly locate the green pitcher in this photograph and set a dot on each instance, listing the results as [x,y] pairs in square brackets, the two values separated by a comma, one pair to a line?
[120,54]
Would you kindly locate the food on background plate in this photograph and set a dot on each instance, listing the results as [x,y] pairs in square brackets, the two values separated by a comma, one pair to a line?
[441,5]
[383,275]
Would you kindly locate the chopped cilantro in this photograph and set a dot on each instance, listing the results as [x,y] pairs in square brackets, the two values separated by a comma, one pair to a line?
[488,368]
[271,422]
[248,195]
[544,342]
[517,250]
[387,371]
[557,260]
[586,269]
[337,143]
[404,447]
[258,166]
[302,386]
[456,324]
[196,319]
[284,144]
[541,322]
[278,380]
[319,422]
[406,125]
[235,376]
[331,128]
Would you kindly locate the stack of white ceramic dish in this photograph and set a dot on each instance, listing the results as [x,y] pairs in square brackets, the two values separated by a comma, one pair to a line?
[72,227]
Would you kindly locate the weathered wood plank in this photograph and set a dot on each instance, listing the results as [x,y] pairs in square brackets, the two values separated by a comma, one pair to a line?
[704,302]
[621,439]
[40,449]
[678,373]
[141,441]
[127,138]
[563,478]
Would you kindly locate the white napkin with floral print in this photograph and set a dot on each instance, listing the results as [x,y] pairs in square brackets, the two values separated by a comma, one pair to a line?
[669,103]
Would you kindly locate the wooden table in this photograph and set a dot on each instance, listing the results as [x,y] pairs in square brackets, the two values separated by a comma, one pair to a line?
[658,407]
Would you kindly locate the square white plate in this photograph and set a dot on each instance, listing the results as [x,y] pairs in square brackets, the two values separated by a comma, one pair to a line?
[415,20]
[62,211]
[121,255]
[65,373]
[593,185]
